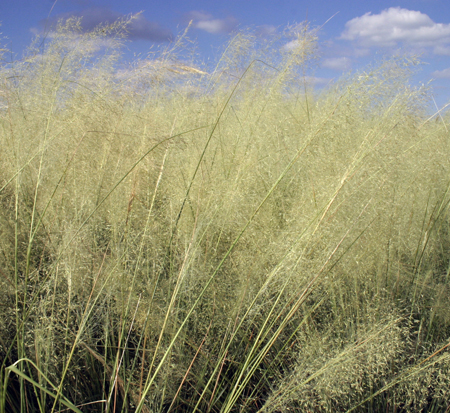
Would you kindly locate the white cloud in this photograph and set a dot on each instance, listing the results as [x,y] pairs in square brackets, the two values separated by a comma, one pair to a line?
[442,74]
[213,26]
[442,50]
[361,52]
[266,30]
[291,45]
[395,25]
[337,63]
[205,21]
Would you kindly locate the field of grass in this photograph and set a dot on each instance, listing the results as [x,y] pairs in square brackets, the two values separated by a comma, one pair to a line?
[177,239]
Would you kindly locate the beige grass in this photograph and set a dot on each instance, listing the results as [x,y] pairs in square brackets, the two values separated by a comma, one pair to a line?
[181,238]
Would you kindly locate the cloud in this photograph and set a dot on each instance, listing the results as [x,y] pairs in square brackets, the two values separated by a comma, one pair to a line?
[205,21]
[141,28]
[266,30]
[442,50]
[442,74]
[138,29]
[292,45]
[396,25]
[337,63]
[361,52]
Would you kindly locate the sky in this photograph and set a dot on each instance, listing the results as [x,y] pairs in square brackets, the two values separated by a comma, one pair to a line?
[352,34]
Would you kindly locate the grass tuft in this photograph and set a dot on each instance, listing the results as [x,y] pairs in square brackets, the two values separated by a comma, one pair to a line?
[180,238]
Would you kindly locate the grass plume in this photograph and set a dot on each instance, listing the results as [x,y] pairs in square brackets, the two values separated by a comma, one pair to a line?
[180,238]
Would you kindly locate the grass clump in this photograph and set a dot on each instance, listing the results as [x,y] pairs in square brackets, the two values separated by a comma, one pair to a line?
[183,239]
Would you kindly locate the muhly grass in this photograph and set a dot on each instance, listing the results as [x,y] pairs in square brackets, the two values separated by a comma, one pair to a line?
[181,239]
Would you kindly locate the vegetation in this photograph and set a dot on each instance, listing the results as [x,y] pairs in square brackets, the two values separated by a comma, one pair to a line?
[176,239]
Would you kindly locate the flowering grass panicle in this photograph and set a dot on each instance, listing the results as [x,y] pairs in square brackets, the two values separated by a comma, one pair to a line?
[192,239]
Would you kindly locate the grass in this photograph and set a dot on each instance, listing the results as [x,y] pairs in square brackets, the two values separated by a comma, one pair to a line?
[181,239]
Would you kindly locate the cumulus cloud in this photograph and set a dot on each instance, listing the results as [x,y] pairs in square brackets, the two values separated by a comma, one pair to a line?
[139,28]
[205,21]
[396,25]
[442,74]
[293,44]
[337,63]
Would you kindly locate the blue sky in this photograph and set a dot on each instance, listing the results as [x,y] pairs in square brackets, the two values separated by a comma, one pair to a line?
[356,32]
